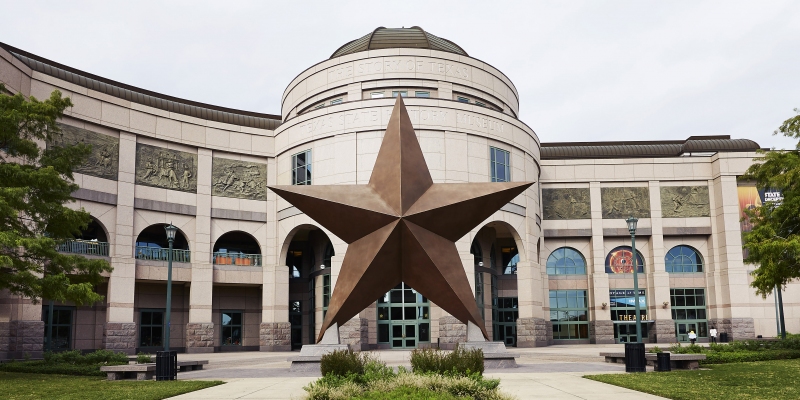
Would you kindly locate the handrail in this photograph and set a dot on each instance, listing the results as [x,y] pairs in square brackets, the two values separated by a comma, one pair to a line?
[162,254]
[224,258]
[88,247]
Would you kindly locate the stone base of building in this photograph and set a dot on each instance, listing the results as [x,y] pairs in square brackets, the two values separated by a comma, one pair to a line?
[451,332]
[355,334]
[534,332]
[736,328]
[601,332]
[120,337]
[200,337]
[21,339]
[275,336]
[662,331]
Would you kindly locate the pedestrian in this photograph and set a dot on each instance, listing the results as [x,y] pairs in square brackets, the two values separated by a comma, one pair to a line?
[713,333]
[692,337]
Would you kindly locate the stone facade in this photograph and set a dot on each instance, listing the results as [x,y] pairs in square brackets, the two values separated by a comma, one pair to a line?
[355,334]
[25,339]
[5,339]
[275,336]
[736,328]
[199,338]
[534,332]
[120,337]
[662,331]
[451,332]
[601,332]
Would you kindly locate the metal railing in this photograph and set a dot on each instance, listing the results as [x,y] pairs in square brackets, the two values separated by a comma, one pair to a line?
[88,247]
[237,259]
[162,254]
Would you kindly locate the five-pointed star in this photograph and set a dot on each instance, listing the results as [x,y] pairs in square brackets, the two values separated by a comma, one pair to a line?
[401,227]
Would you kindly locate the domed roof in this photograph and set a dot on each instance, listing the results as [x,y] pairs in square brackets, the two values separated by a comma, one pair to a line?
[386,38]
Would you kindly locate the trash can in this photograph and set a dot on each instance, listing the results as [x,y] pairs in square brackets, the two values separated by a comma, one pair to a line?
[723,337]
[166,365]
[634,358]
[662,362]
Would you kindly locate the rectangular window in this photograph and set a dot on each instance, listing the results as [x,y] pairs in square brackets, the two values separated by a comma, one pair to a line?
[462,99]
[376,95]
[500,164]
[61,332]
[318,106]
[151,328]
[231,328]
[422,94]
[336,101]
[478,103]
[326,294]
[296,323]
[569,311]
[479,298]
[301,168]
[505,312]
[401,93]
[689,312]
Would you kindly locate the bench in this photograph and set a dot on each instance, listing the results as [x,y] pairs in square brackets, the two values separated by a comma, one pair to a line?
[145,372]
[676,361]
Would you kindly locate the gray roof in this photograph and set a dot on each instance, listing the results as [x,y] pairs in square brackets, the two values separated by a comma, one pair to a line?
[388,38]
[145,97]
[642,149]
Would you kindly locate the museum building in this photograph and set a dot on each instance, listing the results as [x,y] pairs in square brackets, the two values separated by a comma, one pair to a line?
[252,272]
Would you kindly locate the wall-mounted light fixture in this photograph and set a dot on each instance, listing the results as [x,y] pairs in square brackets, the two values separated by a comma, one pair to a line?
[665,304]
[603,306]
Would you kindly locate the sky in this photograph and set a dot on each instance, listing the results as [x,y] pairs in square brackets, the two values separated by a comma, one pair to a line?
[584,70]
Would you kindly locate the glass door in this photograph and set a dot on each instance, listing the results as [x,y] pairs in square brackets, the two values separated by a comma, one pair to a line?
[403,318]
[625,333]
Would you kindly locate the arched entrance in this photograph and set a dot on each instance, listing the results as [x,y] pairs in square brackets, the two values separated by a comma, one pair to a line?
[404,319]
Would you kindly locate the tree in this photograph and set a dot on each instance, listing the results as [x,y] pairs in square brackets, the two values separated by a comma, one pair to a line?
[774,243]
[35,184]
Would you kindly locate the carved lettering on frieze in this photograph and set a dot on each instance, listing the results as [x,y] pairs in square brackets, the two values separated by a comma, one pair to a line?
[624,202]
[240,179]
[165,168]
[684,201]
[569,203]
[103,161]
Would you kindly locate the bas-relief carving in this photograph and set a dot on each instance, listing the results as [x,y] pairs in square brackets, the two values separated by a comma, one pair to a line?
[240,179]
[165,168]
[103,161]
[623,202]
[571,203]
[684,201]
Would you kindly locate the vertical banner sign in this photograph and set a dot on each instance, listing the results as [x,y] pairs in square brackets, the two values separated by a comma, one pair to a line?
[750,198]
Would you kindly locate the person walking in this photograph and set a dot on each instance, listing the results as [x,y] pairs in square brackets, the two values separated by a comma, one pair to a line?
[713,334]
[692,337]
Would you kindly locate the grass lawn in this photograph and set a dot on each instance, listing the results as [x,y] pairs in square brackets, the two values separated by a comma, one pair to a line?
[753,380]
[40,386]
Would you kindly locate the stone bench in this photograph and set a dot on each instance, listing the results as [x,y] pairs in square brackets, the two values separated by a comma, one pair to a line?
[676,361]
[145,372]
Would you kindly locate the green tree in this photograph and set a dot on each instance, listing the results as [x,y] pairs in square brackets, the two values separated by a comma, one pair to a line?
[35,183]
[774,243]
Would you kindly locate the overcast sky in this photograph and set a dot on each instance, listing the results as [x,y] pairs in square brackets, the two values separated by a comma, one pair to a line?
[585,71]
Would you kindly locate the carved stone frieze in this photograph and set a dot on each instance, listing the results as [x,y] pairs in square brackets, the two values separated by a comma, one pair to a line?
[241,179]
[570,203]
[165,168]
[623,202]
[103,161]
[684,201]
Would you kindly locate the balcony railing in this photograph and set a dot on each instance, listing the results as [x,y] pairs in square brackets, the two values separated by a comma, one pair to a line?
[237,259]
[87,247]
[162,254]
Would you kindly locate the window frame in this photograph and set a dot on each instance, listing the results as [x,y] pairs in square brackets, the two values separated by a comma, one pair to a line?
[555,268]
[493,163]
[402,93]
[231,326]
[426,94]
[57,323]
[340,100]
[639,258]
[377,95]
[307,167]
[462,99]
[558,323]
[676,309]
[142,325]
[697,267]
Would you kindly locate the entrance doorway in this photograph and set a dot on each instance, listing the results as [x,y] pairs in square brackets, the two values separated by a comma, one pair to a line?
[403,318]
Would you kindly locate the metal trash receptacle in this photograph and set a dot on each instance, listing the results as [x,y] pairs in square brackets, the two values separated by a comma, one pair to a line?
[166,365]
[635,357]
[723,337]
[662,362]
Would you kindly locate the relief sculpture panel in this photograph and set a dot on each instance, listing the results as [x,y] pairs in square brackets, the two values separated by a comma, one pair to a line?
[240,179]
[684,201]
[165,168]
[103,161]
[570,203]
[623,202]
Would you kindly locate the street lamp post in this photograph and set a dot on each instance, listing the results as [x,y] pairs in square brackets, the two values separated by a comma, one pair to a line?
[631,221]
[171,230]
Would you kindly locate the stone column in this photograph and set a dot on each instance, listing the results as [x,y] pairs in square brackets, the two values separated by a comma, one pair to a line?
[451,331]
[120,329]
[200,329]
[602,328]
[22,334]
[355,333]
[275,330]
[663,329]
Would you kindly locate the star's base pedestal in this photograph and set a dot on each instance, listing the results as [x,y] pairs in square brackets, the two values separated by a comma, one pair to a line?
[495,354]
[311,354]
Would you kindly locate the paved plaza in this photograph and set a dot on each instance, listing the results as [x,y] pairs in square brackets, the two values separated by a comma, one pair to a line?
[553,372]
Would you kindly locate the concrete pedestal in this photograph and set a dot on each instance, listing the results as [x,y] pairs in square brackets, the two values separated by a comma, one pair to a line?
[495,354]
[311,354]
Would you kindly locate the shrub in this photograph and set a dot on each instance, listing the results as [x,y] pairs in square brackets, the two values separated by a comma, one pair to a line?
[68,363]
[655,349]
[724,357]
[342,363]
[460,362]
[144,358]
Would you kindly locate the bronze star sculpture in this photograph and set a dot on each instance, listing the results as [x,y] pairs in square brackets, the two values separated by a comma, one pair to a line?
[401,227]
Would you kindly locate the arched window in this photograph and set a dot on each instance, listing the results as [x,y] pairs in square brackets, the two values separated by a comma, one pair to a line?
[619,261]
[329,253]
[683,259]
[566,261]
